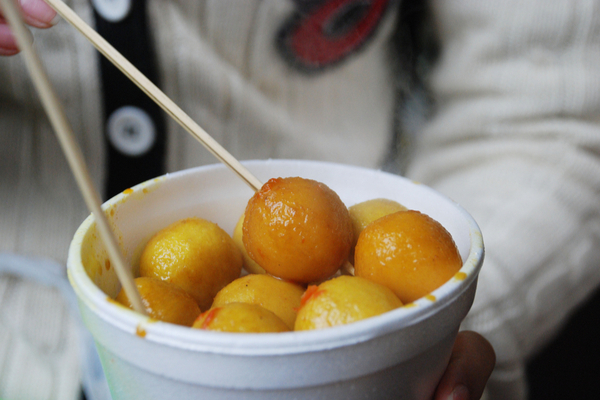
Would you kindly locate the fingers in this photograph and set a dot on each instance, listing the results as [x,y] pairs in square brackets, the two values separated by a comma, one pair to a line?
[8,46]
[36,13]
[470,366]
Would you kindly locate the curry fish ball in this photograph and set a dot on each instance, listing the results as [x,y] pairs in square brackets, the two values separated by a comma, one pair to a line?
[195,255]
[249,264]
[343,300]
[240,318]
[297,229]
[278,296]
[407,251]
[164,302]
[365,212]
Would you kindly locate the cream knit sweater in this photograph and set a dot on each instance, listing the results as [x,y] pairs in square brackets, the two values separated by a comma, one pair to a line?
[515,137]
[516,141]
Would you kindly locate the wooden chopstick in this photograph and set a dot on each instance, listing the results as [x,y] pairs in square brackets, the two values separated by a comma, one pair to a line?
[71,150]
[154,93]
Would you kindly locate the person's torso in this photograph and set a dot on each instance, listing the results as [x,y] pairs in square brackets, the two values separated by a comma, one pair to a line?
[267,79]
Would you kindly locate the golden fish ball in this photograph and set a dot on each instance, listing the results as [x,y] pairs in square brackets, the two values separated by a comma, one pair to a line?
[407,251]
[278,296]
[343,300]
[163,301]
[363,213]
[249,264]
[195,255]
[297,229]
[240,318]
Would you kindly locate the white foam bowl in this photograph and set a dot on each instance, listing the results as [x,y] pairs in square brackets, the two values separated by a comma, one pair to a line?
[398,355]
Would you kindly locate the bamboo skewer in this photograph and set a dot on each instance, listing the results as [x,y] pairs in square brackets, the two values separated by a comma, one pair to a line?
[154,92]
[71,150]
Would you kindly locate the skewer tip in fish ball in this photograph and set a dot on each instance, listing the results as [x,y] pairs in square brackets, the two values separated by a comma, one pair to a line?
[297,229]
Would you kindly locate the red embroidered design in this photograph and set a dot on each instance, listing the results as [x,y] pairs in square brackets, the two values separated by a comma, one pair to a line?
[323,33]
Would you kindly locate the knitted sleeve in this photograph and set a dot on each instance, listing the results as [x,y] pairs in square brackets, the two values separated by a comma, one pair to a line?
[515,139]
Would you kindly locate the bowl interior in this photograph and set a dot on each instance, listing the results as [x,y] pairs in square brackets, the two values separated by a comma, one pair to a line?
[217,194]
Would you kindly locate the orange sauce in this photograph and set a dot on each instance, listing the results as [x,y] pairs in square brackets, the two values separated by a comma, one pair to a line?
[460,276]
[140,331]
[311,291]
[210,315]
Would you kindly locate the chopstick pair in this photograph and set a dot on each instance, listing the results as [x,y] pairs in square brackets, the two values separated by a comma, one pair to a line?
[70,148]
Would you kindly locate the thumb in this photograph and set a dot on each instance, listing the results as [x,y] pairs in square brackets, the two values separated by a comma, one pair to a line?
[470,366]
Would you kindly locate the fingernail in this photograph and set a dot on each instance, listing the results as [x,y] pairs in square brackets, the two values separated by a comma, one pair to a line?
[55,20]
[459,393]
[38,13]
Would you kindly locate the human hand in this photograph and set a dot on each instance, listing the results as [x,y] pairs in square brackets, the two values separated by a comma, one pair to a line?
[36,13]
[470,366]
